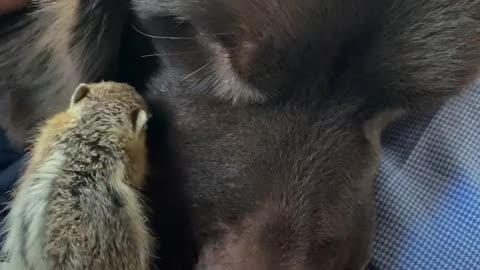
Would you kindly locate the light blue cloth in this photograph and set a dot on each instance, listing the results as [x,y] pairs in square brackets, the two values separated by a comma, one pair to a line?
[428,191]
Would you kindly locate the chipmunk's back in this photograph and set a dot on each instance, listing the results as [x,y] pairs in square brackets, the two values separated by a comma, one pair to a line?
[77,206]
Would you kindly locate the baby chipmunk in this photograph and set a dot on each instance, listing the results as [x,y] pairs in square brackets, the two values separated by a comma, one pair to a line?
[78,204]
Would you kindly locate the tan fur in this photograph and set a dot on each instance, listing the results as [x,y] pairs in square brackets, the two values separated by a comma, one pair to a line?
[46,53]
[57,37]
[77,205]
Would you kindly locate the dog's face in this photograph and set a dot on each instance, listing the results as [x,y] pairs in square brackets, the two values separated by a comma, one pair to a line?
[281,179]
[251,51]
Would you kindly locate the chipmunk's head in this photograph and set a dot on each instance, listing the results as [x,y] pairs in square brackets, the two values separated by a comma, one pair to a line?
[115,117]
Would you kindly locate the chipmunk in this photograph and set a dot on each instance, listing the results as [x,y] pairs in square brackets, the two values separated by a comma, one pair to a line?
[77,205]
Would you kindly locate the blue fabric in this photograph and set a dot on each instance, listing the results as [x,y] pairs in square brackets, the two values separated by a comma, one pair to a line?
[428,190]
[11,165]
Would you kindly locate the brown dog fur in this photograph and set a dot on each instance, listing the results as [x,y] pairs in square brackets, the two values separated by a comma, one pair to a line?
[282,179]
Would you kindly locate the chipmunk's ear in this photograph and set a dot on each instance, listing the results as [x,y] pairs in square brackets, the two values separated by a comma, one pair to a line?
[139,120]
[80,92]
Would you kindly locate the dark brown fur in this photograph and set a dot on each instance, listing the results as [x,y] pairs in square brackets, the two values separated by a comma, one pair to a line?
[282,179]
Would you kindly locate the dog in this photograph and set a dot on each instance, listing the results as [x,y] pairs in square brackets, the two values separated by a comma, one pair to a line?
[267,115]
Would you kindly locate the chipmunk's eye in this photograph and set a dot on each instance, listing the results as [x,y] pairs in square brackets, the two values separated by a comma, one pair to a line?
[80,93]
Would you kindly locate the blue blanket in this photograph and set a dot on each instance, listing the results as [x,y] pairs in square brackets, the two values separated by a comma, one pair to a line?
[428,190]
[11,165]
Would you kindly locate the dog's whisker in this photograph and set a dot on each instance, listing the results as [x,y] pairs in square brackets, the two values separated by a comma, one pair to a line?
[215,34]
[177,38]
[160,37]
[197,70]
[169,54]
[223,34]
